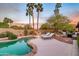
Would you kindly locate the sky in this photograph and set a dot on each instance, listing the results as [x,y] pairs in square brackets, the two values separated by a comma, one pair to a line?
[17,11]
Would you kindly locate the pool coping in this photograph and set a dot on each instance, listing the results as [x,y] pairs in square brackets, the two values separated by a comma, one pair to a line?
[34,49]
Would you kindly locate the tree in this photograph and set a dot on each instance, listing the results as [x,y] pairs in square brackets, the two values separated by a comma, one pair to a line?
[7,20]
[39,9]
[58,18]
[58,21]
[57,6]
[45,26]
[30,11]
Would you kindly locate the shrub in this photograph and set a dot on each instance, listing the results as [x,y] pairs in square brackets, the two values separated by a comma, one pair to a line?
[45,26]
[32,32]
[28,26]
[3,35]
[16,27]
[4,25]
[25,30]
[78,40]
[11,35]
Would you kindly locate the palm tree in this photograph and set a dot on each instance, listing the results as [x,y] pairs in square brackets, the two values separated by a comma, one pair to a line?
[39,9]
[30,11]
[57,6]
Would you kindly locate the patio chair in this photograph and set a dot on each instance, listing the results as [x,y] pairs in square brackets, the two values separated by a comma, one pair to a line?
[74,35]
[64,34]
[47,36]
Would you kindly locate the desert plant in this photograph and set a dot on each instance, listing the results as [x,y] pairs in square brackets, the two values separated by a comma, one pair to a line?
[11,36]
[28,26]
[2,35]
[25,30]
[16,27]
[45,26]
[32,32]
[4,25]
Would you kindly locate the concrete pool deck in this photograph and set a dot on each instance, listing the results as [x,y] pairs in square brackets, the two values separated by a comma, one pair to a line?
[53,47]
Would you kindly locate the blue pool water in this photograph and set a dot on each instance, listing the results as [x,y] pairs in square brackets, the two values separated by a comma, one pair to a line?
[19,47]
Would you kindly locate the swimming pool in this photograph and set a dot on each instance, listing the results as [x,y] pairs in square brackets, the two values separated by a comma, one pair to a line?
[15,48]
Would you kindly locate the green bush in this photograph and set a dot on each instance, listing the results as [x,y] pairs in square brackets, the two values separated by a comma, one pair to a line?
[25,30]
[3,35]
[45,26]
[11,35]
[4,25]
[78,40]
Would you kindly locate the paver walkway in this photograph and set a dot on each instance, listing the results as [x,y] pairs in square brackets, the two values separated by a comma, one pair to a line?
[52,47]
[75,48]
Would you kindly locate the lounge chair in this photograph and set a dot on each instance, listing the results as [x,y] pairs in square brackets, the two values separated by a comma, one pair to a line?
[47,36]
[64,34]
[74,35]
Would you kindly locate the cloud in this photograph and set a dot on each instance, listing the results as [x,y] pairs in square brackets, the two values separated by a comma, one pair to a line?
[12,10]
[9,7]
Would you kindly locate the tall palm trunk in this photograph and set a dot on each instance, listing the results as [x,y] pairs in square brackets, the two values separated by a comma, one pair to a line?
[33,20]
[29,20]
[38,20]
